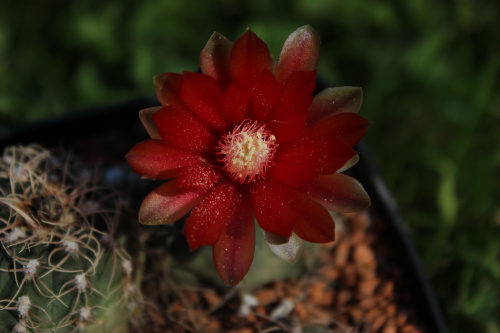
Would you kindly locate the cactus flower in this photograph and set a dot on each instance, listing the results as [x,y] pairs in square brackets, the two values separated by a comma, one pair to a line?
[245,140]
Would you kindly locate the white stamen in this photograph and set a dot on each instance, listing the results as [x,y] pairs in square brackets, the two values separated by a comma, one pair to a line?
[248,151]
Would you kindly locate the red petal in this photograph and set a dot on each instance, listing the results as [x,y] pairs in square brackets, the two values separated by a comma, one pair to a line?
[167,204]
[235,103]
[265,97]
[327,156]
[290,117]
[201,94]
[299,53]
[297,95]
[316,225]
[279,208]
[182,129]
[206,222]
[271,201]
[249,57]
[214,59]
[199,178]
[167,86]
[334,100]
[292,171]
[154,159]
[288,130]
[233,252]
[339,193]
[349,127]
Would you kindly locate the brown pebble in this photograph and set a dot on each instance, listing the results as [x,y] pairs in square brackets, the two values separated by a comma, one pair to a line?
[364,259]
[391,310]
[341,254]
[357,315]
[251,318]
[371,315]
[358,237]
[176,307]
[360,220]
[192,296]
[266,296]
[349,275]
[321,294]
[368,302]
[379,322]
[390,326]
[408,328]
[343,318]
[389,329]
[211,297]
[401,319]
[330,273]
[387,289]
[367,287]
[343,296]
[279,288]
[363,254]
[212,325]
[242,330]
[260,310]
[301,311]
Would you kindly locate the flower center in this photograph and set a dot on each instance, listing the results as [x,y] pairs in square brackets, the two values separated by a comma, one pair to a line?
[247,152]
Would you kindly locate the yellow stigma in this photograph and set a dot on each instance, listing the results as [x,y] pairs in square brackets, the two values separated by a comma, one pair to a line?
[247,152]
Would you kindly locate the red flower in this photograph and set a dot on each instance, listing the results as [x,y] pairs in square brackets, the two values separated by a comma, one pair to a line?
[244,140]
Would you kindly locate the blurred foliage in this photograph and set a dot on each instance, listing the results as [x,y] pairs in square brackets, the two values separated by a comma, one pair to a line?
[429,70]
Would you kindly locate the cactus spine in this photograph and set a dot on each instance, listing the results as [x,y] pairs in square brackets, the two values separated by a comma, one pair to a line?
[60,268]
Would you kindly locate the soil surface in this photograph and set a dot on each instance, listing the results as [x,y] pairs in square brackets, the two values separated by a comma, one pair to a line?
[353,287]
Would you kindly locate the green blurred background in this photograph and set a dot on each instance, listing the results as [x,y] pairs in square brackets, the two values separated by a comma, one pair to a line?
[429,70]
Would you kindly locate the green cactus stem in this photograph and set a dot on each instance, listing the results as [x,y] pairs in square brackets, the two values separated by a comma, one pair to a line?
[60,268]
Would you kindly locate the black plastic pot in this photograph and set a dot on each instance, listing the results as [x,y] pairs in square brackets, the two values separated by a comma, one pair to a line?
[104,135]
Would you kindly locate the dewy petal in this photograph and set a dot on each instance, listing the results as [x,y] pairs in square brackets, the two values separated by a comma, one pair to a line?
[214,59]
[349,127]
[289,120]
[338,193]
[206,222]
[300,52]
[199,177]
[289,249]
[146,117]
[167,204]
[334,100]
[167,86]
[271,203]
[236,103]
[290,170]
[249,58]
[233,253]
[315,225]
[278,207]
[328,156]
[202,95]
[154,159]
[265,97]
[181,128]
[297,95]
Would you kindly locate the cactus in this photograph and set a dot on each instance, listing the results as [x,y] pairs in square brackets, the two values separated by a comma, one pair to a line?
[61,270]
